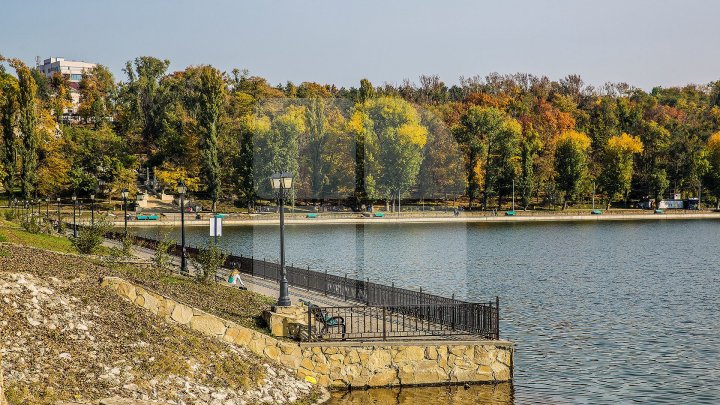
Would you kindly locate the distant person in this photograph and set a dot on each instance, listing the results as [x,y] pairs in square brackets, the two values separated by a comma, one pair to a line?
[235,280]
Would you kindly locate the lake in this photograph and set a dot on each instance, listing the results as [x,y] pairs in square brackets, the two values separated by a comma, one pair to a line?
[600,312]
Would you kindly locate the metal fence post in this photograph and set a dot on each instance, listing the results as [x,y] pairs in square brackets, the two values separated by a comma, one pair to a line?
[384,321]
[345,288]
[326,285]
[497,317]
[309,324]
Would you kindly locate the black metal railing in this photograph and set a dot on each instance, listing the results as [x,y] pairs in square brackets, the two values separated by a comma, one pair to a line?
[400,321]
[449,314]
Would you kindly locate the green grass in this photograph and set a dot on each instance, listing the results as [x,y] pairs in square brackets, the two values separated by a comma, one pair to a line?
[14,233]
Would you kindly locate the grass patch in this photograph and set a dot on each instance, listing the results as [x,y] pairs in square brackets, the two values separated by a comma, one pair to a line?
[14,233]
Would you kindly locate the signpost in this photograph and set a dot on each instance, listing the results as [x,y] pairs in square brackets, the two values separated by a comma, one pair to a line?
[216,226]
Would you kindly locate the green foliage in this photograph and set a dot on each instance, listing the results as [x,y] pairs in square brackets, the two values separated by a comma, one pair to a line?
[571,162]
[161,257]
[90,238]
[208,262]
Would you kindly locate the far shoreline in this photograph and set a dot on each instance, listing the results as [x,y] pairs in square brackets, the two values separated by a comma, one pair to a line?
[389,219]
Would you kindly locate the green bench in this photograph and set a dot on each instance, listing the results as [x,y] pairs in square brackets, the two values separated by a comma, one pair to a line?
[312,215]
[379,215]
[510,213]
[325,319]
[596,212]
[148,217]
[659,211]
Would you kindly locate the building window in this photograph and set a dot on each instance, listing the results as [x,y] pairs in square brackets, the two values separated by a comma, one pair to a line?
[75,77]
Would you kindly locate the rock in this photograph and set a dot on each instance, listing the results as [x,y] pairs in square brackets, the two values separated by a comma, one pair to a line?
[182,314]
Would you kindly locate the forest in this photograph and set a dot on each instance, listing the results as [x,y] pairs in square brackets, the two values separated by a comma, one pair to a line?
[556,143]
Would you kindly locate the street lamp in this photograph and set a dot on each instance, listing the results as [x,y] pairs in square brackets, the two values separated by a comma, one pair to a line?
[92,208]
[282,183]
[74,200]
[124,194]
[181,190]
[58,212]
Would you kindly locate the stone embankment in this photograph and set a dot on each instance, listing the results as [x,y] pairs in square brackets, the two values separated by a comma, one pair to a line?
[341,364]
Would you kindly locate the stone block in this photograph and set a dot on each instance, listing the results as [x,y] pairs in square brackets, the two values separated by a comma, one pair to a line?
[208,324]
[307,363]
[410,353]
[126,290]
[383,378]
[379,359]
[272,352]
[182,314]
[422,372]
[238,335]
[431,353]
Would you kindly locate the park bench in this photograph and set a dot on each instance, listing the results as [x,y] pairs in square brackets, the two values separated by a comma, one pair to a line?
[328,322]
[148,217]
[510,213]
[312,215]
[379,214]
[596,212]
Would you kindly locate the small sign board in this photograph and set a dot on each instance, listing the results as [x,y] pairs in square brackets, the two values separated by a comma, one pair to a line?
[216,226]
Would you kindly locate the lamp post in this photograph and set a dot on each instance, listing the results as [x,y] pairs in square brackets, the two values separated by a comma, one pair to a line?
[282,183]
[58,213]
[182,189]
[124,194]
[74,200]
[92,208]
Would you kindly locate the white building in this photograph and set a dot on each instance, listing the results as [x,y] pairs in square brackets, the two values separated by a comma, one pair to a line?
[72,70]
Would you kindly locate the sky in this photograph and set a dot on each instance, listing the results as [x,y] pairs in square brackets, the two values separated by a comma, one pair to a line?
[641,42]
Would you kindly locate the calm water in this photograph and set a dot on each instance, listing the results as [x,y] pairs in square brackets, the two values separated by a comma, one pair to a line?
[600,312]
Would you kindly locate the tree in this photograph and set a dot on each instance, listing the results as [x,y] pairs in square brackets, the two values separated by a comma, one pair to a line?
[27,119]
[616,176]
[143,98]
[8,111]
[207,94]
[490,140]
[712,177]
[394,139]
[97,92]
[529,148]
[318,136]
[571,162]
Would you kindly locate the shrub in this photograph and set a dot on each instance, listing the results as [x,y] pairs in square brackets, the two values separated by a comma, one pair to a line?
[127,241]
[209,260]
[9,215]
[32,225]
[90,238]
[161,259]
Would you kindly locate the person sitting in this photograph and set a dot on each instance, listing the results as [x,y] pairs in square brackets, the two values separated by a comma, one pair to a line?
[234,279]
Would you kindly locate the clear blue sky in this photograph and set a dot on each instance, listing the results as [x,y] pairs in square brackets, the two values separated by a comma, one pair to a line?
[641,42]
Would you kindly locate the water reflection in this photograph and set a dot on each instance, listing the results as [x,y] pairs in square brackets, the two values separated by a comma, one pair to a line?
[499,394]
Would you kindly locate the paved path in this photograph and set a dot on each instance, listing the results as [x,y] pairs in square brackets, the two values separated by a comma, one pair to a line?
[259,285]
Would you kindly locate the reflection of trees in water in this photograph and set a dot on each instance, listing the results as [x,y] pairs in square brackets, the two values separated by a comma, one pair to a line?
[501,394]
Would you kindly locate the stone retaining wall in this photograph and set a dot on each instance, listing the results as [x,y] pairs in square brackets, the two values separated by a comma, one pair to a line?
[344,364]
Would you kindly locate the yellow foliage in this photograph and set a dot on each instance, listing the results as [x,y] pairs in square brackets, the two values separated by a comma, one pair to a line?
[579,139]
[416,134]
[355,124]
[169,175]
[625,143]
[714,142]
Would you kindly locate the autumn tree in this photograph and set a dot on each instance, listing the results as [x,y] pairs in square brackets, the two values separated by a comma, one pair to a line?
[618,160]
[712,177]
[97,92]
[571,163]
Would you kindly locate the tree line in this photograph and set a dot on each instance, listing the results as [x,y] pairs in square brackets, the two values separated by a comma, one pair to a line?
[554,142]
